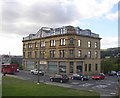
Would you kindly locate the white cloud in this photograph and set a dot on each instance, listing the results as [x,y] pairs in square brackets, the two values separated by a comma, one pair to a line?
[109,42]
[37,13]
[113,16]
[22,17]
[9,43]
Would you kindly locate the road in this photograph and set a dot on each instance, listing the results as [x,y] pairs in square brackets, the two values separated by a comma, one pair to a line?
[106,87]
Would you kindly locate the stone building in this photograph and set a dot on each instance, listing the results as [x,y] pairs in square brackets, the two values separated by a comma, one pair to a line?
[66,49]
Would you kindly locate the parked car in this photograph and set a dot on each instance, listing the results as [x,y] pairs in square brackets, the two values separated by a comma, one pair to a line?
[118,73]
[59,78]
[98,76]
[112,73]
[80,77]
[35,72]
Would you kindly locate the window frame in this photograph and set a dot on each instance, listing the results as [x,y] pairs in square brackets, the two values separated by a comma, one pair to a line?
[89,54]
[71,53]
[96,67]
[96,45]
[96,54]
[79,42]
[71,40]
[52,53]
[79,53]
[61,53]
[42,44]
[62,42]
[52,43]
[90,67]
[89,44]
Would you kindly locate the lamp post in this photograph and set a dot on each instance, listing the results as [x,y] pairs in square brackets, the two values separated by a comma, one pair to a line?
[38,66]
[38,79]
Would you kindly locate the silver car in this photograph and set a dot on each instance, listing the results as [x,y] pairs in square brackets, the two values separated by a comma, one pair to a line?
[118,73]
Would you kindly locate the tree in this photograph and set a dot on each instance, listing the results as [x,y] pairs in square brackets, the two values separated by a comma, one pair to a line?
[106,66]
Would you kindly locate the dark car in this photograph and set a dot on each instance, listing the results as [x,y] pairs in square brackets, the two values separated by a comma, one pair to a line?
[112,73]
[80,77]
[98,76]
[59,78]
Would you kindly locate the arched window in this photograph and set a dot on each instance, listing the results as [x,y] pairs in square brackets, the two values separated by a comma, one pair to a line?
[71,40]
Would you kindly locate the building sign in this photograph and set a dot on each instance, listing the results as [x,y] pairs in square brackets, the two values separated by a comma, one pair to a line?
[43,62]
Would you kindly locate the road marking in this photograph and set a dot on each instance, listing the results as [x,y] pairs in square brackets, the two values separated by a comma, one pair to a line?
[113,93]
[111,82]
[108,84]
[75,83]
[100,86]
[86,85]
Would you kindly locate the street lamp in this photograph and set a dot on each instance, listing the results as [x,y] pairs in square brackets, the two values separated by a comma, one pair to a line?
[38,67]
[38,79]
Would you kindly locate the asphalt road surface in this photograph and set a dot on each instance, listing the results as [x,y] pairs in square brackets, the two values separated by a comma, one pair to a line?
[106,87]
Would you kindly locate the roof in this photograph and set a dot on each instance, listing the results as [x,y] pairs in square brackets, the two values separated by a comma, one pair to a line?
[47,31]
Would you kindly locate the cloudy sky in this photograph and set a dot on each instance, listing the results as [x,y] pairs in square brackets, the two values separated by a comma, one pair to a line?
[22,17]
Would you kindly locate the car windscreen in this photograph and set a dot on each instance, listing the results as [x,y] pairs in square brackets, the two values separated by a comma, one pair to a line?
[64,76]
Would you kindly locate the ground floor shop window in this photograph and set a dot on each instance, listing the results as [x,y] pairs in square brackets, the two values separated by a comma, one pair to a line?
[85,67]
[52,67]
[79,67]
[62,67]
[71,67]
[89,67]
[42,67]
[96,67]
[30,65]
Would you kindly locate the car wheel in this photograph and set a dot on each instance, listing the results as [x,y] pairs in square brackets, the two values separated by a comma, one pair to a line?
[61,81]
[32,73]
[72,78]
[51,80]
[82,79]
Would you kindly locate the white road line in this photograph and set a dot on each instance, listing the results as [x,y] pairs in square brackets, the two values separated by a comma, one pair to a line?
[86,84]
[75,83]
[113,93]
[100,86]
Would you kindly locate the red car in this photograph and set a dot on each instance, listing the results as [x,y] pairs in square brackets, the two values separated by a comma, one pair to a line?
[98,76]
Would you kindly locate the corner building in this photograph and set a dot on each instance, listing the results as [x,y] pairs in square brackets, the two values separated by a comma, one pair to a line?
[66,49]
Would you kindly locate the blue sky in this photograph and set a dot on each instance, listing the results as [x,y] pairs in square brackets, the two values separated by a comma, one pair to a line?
[102,26]
[22,17]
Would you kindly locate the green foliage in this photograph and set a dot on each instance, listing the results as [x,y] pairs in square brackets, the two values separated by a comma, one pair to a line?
[110,64]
